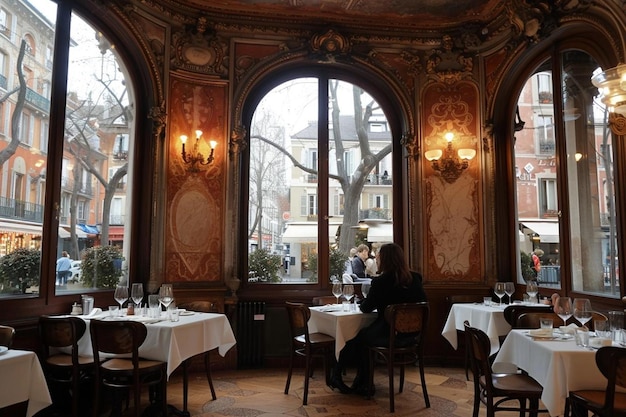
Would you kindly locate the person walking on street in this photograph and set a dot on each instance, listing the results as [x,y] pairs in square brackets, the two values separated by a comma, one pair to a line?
[64,263]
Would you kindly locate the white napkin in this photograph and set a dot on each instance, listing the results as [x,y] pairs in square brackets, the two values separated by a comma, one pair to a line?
[94,312]
[541,332]
[569,329]
[598,342]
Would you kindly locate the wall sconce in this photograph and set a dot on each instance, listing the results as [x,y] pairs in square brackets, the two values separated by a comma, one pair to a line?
[450,166]
[612,87]
[195,158]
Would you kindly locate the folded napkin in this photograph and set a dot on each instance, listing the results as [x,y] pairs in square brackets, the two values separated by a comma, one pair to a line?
[331,307]
[94,312]
[569,329]
[541,332]
[598,342]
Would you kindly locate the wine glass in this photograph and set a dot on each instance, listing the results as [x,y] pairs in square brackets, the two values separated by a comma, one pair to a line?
[121,295]
[166,295]
[136,293]
[509,289]
[532,289]
[582,310]
[348,291]
[337,291]
[563,308]
[499,290]
[365,288]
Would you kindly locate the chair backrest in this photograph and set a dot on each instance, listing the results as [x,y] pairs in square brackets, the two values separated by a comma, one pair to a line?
[611,361]
[347,279]
[464,298]
[299,315]
[117,337]
[407,319]
[513,311]
[531,320]
[596,316]
[323,300]
[58,332]
[6,336]
[479,348]
[203,306]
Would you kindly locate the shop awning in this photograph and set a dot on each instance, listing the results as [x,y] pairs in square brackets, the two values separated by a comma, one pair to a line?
[380,232]
[306,233]
[65,233]
[6,226]
[548,231]
[92,230]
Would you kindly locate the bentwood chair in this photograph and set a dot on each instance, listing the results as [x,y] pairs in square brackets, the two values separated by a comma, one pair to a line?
[407,328]
[64,368]
[127,370]
[460,336]
[308,345]
[495,390]
[611,361]
[6,336]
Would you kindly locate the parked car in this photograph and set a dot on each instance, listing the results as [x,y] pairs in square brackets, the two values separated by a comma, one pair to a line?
[76,271]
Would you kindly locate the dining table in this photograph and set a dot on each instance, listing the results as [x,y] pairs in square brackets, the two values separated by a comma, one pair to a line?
[173,342]
[556,362]
[22,381]
[343,325]
[488,318]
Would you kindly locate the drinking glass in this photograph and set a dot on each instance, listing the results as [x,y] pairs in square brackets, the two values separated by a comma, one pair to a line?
[602,329]
[348,291]
[563,308]
[582,310]
[499,290]
[509,289]
[166,295]
[136,293]
[337,291]
[532,289]
[121,294]
[365,289]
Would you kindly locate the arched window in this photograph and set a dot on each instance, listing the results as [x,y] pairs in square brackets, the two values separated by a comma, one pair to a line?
[564,179]
[320,180]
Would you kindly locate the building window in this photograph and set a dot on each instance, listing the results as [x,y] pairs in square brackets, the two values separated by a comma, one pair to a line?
[5,22]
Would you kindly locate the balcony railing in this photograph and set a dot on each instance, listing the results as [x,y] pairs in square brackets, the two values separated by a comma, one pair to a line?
[68,185]
[37,100]
[375,213]
[20,210]
[378,179]
[117,219]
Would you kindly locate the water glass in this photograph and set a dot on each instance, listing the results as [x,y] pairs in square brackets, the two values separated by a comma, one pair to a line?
[546,323]
[114,311]
[154,307]
[602,329]
[582,337]
[487,301]
[174,314]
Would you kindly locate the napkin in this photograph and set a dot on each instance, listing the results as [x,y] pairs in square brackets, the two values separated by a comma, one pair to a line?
[598,342]
[569,329]
[94,312]
[541,332]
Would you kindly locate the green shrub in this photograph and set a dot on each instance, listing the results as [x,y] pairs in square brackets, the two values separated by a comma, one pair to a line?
[20,269]
[102,266]
[337,263]
[264,266]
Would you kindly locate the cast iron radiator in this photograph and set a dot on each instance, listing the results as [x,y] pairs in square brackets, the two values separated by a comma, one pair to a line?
[250,329]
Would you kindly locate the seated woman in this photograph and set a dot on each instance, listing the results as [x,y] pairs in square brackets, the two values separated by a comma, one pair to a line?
[396,284]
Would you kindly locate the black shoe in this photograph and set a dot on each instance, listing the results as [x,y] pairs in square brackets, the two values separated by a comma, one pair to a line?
[336,382]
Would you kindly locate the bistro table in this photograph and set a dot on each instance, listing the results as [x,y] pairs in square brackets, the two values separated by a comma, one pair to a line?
[559,365]
[342,325]
[22,380]
[489,319]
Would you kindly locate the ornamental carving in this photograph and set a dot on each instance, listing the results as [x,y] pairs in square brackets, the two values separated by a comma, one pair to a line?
[449,64]
[330,42]
[199,49]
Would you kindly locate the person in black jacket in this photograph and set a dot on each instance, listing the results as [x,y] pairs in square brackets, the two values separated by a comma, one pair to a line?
[396,284]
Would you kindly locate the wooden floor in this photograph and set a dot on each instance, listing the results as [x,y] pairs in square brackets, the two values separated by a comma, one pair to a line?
[260,393]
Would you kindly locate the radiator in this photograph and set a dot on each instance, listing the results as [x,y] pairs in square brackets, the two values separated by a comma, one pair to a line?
[250,329]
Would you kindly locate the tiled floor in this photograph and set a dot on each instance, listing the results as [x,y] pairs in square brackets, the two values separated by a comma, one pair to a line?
[259,393]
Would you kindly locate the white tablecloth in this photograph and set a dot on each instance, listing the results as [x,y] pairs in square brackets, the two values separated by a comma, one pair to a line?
[486,318]
[559,366]
[174,342]
[343,326]
[22,379]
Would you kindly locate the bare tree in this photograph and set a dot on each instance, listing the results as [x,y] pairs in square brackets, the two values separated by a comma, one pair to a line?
[7,152]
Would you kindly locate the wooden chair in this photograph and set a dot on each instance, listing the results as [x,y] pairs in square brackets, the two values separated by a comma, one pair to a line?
[407,328]
[68,369]
[494,390]
[324,299]
[611,361]
[308,345]
[7,333]
[460,335]
[531,320]
[513,311]
[128,370]
[204,307]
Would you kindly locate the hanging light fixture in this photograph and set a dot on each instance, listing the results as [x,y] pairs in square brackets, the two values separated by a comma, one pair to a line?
[195,158]
[447,163]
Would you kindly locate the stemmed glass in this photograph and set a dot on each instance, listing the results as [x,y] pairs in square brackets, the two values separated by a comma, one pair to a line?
[582,310]
[499,290]
[337,291]
[348,292]
[532,289]
[166,295]
[509,289]
[136,293]
[121,295]
[365,289]
[563,308]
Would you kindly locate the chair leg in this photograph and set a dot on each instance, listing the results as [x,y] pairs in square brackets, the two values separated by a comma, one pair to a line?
[289,373]
[207,367]
[423,379]
[307,374]
[392,406]
[401,385]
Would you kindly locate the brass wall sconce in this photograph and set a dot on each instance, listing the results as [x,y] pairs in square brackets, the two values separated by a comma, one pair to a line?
[450,166]
[611,84]
[195,158]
